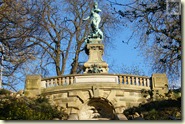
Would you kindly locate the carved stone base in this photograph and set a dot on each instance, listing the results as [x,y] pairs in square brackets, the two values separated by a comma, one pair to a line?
[96,67]
[95,64]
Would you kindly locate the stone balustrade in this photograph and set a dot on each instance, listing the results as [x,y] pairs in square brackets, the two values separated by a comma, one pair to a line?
[134,80]
[79,92]
[158,82]
[57,81]
[71,79]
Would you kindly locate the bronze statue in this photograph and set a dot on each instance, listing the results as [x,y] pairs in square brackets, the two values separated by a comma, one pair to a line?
[95,20]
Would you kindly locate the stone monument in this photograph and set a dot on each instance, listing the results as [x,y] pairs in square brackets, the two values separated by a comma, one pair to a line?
[96,96]
[94,46]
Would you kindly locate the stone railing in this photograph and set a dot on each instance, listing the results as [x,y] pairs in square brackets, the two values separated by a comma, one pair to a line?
[57,81]
[122,79]
[134,80]
[158,82]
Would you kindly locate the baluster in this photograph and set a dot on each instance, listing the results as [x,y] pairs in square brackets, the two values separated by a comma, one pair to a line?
[128,80]
[51,83]
[46,83]
[56,83]
[120,80]
[125,79]
[59,82]
[148,82]
[67,80]
[71,80]
[141,81]
[144,81]
[63,80]
[137,81]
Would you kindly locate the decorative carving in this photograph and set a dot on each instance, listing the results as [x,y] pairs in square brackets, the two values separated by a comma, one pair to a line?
[95,64]
[95,69]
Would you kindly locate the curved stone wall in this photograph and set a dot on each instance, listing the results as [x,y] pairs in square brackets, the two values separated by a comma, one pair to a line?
[92,97]
[74,97]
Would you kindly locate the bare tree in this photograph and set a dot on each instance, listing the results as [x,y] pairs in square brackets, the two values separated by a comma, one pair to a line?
[124,69]
[15,27]
[47,36]
[54,39]
[160,37]
[63,32]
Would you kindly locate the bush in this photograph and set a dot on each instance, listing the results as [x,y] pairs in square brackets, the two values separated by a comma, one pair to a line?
[28,109]
[4,92]
[157,110]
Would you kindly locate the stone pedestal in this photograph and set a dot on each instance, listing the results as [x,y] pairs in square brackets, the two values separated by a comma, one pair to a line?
[159,84]
[33,85]
[95,64]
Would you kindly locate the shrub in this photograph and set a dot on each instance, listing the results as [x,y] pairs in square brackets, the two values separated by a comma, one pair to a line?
[157,110]
[24,108]
[4,92]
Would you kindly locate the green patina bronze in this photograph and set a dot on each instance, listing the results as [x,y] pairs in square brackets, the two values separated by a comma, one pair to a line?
[95,21]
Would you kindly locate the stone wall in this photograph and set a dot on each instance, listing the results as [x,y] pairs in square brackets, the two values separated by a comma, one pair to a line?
[91,97]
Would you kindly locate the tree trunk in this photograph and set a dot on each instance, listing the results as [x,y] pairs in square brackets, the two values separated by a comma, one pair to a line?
[75,60]
[57,61]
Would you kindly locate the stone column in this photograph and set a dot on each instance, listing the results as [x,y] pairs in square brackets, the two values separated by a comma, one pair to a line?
[33,85]
[95,63]
[159,84]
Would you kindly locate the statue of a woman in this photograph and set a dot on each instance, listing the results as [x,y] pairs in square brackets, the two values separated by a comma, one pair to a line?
[95,21]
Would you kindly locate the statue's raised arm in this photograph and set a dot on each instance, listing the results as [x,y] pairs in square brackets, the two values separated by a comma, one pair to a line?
[95,21]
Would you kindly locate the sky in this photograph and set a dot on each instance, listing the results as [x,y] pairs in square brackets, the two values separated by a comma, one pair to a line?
[123,54]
